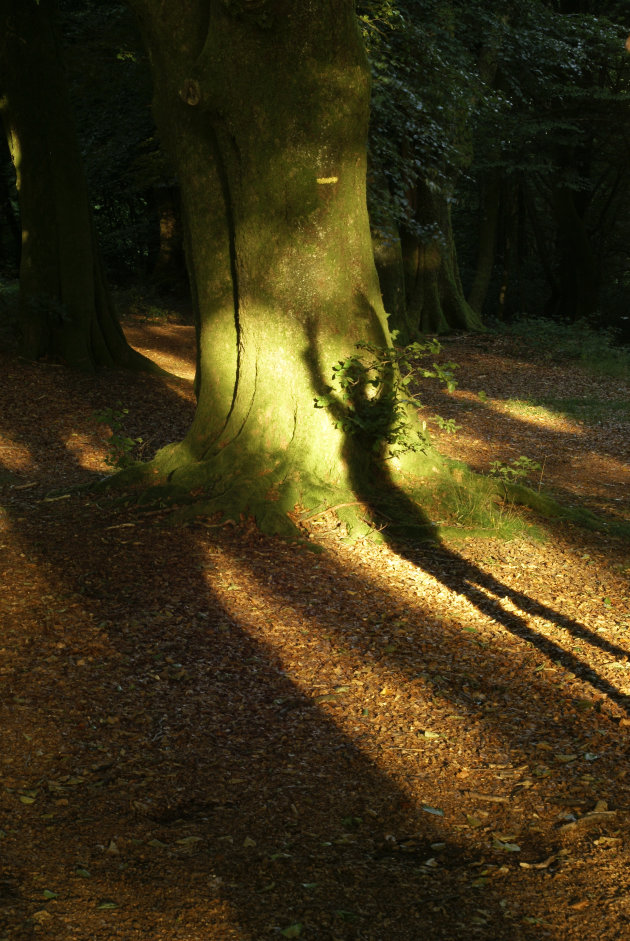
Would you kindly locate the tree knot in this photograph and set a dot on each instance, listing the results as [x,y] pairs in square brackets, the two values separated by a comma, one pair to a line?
[190,92]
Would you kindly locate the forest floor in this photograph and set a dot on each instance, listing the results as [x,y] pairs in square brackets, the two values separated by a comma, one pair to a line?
[209,735]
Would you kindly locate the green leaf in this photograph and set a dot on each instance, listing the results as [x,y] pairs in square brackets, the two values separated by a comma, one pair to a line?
[106,904]
[48,894]
[293,931]
[473,821]
[505,847]
[433,810]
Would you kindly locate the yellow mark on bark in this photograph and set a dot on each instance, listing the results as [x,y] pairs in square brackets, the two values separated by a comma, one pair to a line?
[327,179]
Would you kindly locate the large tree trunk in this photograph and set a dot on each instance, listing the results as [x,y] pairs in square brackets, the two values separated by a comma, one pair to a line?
[65,307]
[264,108]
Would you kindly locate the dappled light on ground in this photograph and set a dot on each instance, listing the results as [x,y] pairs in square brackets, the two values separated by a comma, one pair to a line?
[171,346]
[208,735]
[88,451]
[539,416]
[15,457]
[582,457]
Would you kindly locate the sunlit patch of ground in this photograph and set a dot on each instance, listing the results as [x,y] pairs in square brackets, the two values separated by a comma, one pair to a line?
[207,735]
[171,346]
[15,457]
[537,415]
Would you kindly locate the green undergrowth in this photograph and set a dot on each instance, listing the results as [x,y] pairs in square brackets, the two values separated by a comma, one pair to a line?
[147,303]
[594,348]
[548,508]
[445,501]
[392,484]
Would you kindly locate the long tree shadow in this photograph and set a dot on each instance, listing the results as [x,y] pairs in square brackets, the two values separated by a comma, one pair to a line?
[399,517]
[179,778]
[545,441]
[175,775]
[164,763]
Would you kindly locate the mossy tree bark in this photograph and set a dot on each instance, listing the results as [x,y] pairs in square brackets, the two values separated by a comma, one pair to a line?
[263,105]
[65,307]
[435,297]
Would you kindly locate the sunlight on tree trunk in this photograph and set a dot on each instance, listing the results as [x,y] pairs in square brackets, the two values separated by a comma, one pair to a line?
[264,109]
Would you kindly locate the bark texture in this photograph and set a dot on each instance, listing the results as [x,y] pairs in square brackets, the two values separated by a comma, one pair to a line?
[489,221]
[263,105]
[576,289]
[435,297]
[65,308]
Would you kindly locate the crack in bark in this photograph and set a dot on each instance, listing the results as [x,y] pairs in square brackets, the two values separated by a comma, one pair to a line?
[231,227]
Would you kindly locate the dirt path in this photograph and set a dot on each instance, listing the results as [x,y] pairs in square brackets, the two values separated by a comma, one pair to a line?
[207,735]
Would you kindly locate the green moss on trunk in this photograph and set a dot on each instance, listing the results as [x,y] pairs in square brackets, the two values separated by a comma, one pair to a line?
[435,298]
[265,115]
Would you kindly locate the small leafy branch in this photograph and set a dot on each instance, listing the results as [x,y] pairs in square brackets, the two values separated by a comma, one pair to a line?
[516,471]
[375,395]
[120,445]
[448,425]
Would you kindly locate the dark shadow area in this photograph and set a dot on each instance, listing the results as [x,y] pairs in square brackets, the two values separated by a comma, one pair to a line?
[167,746]
[159,735]
[63,394]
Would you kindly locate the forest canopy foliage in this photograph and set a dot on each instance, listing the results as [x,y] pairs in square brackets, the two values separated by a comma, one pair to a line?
[516,114]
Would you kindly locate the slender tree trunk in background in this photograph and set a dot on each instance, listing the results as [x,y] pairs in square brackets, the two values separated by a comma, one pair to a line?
[386,244]
[435,297]
[434,292]
[65,307]
[486,249]
[169,268]
[577,278]
[490,193]
[391,276]
[264,109]
[543,246]
[509,207]
[10,231]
